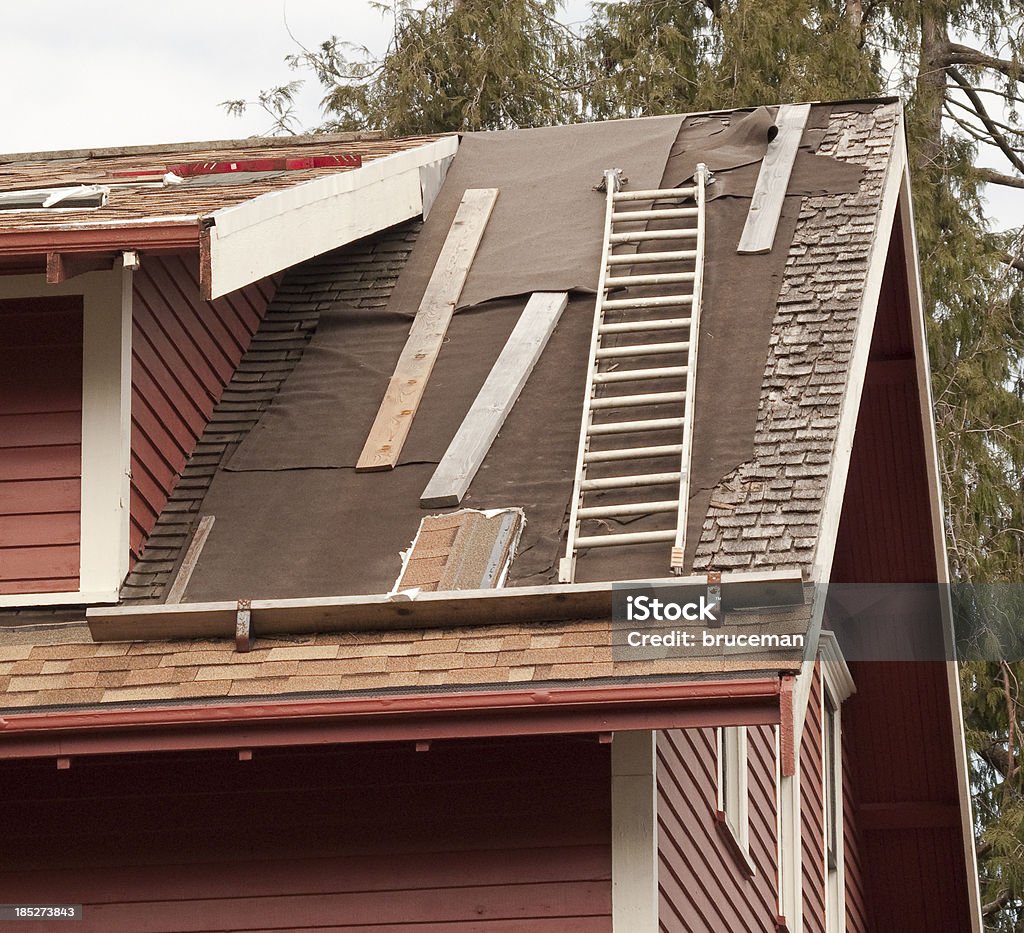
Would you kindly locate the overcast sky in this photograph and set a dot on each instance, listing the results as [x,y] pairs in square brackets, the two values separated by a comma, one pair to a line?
[77,74]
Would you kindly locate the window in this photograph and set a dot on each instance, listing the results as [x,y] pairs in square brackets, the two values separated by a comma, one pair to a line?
[833,800]
[65,395]
[732,787]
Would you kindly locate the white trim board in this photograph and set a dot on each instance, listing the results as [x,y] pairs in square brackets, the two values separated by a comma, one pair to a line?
[634,832]
[106,430]
[931,452]
[274,231]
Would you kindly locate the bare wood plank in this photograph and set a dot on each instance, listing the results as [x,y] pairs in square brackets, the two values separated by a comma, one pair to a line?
[401,400]
[188,565]
[499,393]
[773,180]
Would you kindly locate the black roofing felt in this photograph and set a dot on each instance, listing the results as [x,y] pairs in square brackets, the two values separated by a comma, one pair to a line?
[292,516]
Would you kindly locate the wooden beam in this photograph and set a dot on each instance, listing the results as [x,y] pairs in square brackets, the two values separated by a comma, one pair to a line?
[188,565]
[773,180]
[634,832]
[749,589]
[489,410]
[60,266]
[394,419]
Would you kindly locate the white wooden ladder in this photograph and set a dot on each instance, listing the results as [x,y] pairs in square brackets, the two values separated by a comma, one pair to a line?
[643,362]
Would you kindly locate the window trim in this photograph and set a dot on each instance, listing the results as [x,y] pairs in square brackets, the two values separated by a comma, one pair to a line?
[733,794]
[106,431]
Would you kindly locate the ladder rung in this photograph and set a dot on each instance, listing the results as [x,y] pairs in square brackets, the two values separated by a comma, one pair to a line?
[667,278]
[650,349]
[633,401]
[659,194]
[632,427]
[635,375]
[632,453]
[635,327]
[637,508]
[636,537]
[666,301]
[663,214]
[628,482]
[636,236]
[629,259]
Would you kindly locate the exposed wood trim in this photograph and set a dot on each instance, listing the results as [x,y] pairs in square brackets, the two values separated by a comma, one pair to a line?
[787,730]
[78,598]
[157,234]
[394,418]
[61,267]
[423,717]
[634,835]
[274,231]
[492,405]
[188,565]
[773,179]
[560,602]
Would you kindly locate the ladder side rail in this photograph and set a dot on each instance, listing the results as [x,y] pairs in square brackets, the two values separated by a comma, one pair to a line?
[679,543]
[567,566]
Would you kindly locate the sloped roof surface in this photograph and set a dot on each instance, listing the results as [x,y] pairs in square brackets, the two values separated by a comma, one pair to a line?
[775,343]
[146,197]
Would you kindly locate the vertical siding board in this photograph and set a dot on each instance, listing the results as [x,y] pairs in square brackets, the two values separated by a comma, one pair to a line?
[41,441]
[812,813]
[702,884]
[184,353]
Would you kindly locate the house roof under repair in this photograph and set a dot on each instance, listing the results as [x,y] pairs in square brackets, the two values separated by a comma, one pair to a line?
[389,497]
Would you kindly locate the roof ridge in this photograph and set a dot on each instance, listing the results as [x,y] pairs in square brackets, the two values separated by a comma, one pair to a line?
[308,139]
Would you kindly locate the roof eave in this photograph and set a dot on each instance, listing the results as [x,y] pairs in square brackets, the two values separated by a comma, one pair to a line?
[247,724]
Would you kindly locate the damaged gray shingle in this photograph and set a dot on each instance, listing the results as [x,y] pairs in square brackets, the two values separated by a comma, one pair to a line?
[767,512]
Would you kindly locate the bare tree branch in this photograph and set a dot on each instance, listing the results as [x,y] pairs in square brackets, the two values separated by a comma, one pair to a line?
[998,178]
[998,139]
[965,55]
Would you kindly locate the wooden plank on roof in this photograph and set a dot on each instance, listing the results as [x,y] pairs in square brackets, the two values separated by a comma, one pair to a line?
[489,410]
[401,400]
[188,565]
[773,180]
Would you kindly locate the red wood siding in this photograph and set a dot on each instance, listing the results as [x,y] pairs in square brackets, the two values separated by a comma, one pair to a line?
[483,837]
[184,351]
[702,886]
[857,902]
[812,813]
[914,873]
[40,444]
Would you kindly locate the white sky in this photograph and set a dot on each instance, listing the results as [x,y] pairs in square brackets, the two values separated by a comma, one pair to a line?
[89,73]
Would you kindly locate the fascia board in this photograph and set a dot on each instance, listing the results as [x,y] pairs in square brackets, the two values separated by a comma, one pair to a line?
[274,231]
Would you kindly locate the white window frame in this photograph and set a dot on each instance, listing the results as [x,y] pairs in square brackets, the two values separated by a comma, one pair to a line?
[733,790]
[106,430]
[838,685]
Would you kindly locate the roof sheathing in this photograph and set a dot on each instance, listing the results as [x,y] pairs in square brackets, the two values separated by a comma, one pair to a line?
[767,513]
